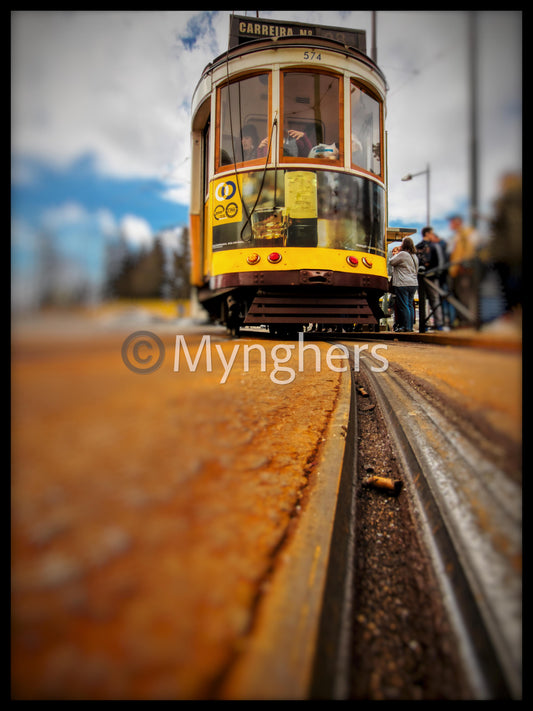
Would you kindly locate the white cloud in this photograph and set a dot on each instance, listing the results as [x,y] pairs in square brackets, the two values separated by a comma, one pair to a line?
[69,213]
[136,231]
[106,222]
[111,83]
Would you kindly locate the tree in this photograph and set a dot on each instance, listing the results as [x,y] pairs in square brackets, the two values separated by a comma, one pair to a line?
[159,272]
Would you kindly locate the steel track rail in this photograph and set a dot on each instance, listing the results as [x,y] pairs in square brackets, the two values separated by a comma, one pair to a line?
[469,514]
[299,647]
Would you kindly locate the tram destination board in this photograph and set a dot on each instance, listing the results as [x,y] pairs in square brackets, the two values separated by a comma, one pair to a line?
[244,29]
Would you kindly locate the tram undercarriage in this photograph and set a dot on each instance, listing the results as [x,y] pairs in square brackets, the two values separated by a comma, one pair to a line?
[286,310]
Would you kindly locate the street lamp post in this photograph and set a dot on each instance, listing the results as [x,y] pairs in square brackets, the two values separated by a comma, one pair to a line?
[425,172]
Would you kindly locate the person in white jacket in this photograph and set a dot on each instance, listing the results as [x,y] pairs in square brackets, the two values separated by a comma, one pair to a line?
[404,266]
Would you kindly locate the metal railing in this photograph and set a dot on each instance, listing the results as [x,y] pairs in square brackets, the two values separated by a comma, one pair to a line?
[446,297]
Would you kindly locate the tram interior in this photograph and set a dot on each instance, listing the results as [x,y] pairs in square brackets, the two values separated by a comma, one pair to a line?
[310,105]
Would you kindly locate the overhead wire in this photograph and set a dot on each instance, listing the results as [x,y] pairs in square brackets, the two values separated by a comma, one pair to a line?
[274,126]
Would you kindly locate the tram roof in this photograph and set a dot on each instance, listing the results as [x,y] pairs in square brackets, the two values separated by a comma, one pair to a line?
[312,41]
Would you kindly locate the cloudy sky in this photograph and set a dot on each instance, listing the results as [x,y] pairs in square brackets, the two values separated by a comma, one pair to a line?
[100,112]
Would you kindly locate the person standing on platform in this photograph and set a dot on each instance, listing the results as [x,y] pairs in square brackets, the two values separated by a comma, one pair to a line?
[441,248]
[429,258]
[461,271]
[405,283]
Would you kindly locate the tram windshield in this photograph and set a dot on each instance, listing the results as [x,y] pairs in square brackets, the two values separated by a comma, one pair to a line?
[311,116]
[365,131]
[298,208]
[244,125]
[297,203]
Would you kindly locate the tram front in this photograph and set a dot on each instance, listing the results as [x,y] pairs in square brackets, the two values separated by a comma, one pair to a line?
[288,210]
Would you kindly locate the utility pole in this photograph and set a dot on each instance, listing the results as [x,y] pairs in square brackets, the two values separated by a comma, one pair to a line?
[427,173]
[473,90]
[374,40]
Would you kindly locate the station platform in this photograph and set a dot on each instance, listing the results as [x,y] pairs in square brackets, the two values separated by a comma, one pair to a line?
[505,335]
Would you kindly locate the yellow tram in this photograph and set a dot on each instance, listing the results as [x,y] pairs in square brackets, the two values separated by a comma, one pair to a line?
[288,202]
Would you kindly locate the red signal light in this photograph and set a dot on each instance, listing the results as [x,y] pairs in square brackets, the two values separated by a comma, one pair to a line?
[274,257]
[352,261]
[367,262]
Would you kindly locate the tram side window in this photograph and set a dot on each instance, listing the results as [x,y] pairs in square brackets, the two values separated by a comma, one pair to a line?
[244,125]
[311,116]
[365,130]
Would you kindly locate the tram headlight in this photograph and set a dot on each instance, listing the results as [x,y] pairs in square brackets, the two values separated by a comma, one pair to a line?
[367,262]
[253,258]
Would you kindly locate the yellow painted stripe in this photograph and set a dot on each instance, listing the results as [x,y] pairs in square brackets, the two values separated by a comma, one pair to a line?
[234,260]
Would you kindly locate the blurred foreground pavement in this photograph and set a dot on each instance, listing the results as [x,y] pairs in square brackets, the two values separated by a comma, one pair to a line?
[147,508]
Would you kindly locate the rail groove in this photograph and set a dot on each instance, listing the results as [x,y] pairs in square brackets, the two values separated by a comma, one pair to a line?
[469,514]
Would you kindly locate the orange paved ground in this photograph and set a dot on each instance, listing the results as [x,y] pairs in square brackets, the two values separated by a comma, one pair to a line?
[481,381]
[147,509]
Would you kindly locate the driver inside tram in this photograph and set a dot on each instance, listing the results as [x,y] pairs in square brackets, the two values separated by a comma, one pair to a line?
[249,142]
[295,143]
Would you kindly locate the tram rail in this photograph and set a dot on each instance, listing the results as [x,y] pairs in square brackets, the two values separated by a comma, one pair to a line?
[469,515]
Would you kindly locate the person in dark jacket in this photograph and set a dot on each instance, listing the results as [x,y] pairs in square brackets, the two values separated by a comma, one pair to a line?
[431,256]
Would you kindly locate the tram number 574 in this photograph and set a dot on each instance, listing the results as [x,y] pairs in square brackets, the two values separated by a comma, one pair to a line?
[309,56]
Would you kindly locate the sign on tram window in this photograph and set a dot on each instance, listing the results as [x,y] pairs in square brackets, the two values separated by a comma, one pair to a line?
[226,205]
[300,194]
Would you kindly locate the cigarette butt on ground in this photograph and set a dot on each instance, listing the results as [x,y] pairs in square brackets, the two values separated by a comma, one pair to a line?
[382,482]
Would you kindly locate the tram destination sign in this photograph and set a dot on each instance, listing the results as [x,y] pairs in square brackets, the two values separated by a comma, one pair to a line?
[245,29]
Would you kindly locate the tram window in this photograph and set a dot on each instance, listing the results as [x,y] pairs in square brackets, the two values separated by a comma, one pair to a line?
[311,115]
[365,131]
[244,120]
